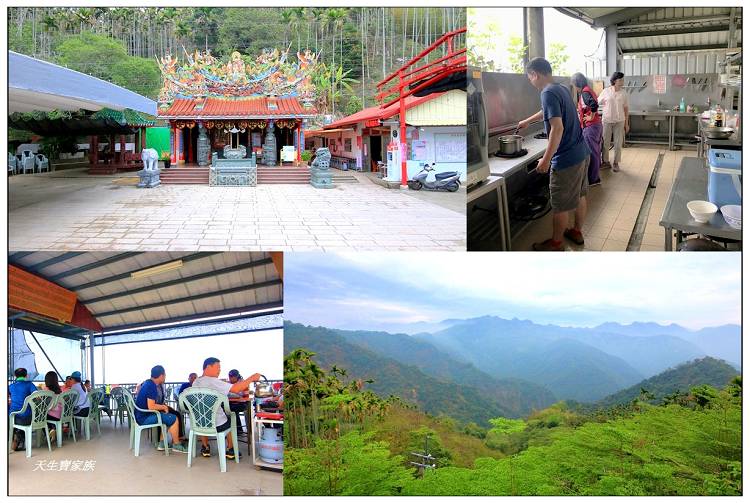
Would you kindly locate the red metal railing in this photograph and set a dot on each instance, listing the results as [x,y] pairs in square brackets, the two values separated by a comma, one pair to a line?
[413,79]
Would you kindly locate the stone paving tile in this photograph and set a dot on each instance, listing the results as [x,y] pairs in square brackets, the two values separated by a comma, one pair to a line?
[54,213]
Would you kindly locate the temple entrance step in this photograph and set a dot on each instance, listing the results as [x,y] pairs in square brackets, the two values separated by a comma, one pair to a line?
[344,179]
[283,174]
[192,175]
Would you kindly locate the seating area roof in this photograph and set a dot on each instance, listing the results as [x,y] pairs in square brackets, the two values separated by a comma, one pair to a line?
[34,84]
[133,291]
[664,29]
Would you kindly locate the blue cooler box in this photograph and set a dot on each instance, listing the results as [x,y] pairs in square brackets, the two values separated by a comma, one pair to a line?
[724,176]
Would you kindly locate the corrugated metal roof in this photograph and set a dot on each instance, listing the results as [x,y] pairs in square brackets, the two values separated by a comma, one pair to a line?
[379,113]
[207,283]
[34,84]
[679,28]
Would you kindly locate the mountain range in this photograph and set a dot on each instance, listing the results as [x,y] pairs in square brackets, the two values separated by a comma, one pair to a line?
[490,365]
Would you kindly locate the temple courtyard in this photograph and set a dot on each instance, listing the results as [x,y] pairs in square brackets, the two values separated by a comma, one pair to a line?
[71,210]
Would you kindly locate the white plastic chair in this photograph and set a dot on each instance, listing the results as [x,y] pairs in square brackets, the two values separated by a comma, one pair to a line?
[136,429]
[26,164]
[40,402]
[203,405]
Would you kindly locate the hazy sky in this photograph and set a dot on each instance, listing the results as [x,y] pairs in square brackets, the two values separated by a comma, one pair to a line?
[580,38]
[381,290]
[251,352]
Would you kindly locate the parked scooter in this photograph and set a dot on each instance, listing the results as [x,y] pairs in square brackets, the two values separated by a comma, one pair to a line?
[447,180]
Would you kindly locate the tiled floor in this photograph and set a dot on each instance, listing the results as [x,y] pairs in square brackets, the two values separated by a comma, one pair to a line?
[80,212]
[614,205]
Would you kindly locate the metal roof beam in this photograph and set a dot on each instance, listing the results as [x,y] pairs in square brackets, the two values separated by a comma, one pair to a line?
[191,298]
[125,275]
[676,21]
[179,281]
[621,16]
[52,261]
[681,48]
[673,31]
[194,319]
[94,265]
[18,255]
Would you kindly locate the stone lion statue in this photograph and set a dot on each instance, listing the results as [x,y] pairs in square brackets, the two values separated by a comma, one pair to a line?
[322,159]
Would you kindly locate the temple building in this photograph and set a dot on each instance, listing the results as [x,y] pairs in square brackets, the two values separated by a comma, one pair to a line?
[238,109]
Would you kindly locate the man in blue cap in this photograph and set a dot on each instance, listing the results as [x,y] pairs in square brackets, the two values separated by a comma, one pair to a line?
[81,408]
[18,391]
[151,397]
[238,401]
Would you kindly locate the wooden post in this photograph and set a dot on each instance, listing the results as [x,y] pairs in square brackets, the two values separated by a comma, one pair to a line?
[122,149]
[94,150]
[112,149]
[143,140]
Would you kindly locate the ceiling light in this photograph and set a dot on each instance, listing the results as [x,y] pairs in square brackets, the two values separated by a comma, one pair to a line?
[151,271]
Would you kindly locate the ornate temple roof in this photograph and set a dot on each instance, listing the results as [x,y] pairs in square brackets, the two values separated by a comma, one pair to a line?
[251,108]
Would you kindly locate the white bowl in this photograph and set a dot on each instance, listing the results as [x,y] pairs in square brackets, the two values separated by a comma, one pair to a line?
[701,210]
[733,215]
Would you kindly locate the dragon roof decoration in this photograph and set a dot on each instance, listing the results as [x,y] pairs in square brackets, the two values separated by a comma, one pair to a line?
[270,74]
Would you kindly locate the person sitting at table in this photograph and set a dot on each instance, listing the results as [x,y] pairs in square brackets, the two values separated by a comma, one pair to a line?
[68,383]
[151,397]
[238,401]
[50,382]
[210,379]
[18,392]
[192,377]
[87,385]
[81,409]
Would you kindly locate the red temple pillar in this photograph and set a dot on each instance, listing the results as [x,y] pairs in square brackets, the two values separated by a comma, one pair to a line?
[122,149]
[111,149]
[189,156]
[143,139]
[173,145]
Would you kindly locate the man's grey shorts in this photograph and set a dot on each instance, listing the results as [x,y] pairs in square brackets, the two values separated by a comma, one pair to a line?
[568,185]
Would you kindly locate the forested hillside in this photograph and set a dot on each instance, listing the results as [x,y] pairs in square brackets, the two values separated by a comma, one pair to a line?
[674,381]
[514,397]
[342,439]
[386,376]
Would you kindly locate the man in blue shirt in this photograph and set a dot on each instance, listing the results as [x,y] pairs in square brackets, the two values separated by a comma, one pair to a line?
[18,392]
[151,397]
[192,377]
[566,154]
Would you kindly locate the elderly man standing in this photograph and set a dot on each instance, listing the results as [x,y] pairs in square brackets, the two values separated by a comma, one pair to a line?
[151,397]
[210,379]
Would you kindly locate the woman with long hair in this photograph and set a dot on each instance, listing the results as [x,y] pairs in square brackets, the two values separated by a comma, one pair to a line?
[591,124]
[51,383]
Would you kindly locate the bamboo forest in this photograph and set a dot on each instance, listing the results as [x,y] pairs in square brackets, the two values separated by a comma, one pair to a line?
[356,47]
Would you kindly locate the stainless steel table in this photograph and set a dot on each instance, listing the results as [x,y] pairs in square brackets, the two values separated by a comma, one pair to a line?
[691,183]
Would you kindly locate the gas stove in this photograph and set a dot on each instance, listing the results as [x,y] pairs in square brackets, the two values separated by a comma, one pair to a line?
[541,136]
[520,153]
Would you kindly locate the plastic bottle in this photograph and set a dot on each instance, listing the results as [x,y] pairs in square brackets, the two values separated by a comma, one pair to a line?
[682,104]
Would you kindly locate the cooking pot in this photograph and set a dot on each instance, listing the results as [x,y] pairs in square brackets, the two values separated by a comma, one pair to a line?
[510,144]
[263,390]
[718,133]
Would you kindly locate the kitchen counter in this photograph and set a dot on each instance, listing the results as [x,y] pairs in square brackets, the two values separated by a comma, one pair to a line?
[500,166]
[664,113]
[668,137]
[690,184]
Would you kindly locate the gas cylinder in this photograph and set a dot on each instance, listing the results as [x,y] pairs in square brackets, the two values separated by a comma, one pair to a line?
[271,445]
